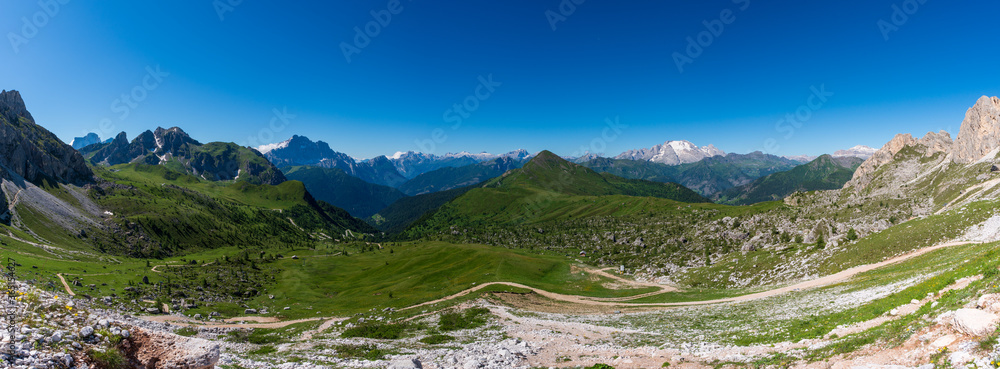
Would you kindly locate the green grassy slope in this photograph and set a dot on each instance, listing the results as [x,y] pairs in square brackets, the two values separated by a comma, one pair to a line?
[396,217]
[180,213]
[548,188]
[334,186]
[823,173]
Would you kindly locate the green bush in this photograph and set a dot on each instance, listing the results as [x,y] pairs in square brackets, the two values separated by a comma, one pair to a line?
[376,331]
[472,318]
[366,351]
[186,332]
[264,350]
[109,358]
[436,339]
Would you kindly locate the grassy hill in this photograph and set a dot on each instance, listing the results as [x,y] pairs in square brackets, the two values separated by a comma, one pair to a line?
[396,217]
[823,173]
[156,211]
[334,186]
[547,188]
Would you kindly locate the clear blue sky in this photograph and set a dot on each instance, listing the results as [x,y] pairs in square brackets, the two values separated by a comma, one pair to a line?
[557,87]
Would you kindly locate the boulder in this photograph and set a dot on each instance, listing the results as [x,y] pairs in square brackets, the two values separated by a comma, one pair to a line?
[156,350]
[405,364]
[975,322]
[989,303]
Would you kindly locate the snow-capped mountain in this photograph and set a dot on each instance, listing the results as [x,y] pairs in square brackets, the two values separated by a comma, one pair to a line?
[672,153]
[860,151]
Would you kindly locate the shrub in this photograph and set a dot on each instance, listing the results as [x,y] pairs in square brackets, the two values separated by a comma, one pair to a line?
[376,331]
[186,332]
[109,358]
[264,350]
[366,351]
[472,318]
[437,339]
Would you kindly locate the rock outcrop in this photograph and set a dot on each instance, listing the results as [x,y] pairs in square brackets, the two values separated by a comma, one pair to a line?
[33,152]
[158,350]
[980,131]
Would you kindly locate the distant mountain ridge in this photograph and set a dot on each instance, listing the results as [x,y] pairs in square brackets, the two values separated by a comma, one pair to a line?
[454,177]
[390,171]
[825,173]
[87,140]
[176,149]
[672,153]
[707,176]
[361,199]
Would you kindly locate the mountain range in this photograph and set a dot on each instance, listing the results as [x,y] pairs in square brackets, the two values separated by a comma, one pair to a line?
[672,153]
[824,173]
[176,149]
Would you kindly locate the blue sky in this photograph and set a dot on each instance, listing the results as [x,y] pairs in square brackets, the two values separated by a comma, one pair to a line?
[222,78]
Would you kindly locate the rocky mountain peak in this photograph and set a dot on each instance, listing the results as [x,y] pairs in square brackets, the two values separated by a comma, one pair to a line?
[31,151]
[12,106]
[980,131]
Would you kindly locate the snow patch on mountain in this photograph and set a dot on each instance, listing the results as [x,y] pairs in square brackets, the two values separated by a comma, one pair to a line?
[673,153]
[264,149]
[859,151]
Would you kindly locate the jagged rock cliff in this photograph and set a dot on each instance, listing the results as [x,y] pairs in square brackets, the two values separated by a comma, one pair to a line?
[980,131]
[978,137]
[33,152]
[214,161]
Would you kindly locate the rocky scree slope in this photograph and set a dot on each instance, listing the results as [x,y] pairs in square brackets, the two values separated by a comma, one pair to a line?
[54,331]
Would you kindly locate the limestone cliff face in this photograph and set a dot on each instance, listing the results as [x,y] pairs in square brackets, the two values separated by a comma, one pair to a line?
[33,152]
[881,157]
[980,131]
[978,136]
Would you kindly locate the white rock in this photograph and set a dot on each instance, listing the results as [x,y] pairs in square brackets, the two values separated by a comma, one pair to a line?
[405,364]
[975,322]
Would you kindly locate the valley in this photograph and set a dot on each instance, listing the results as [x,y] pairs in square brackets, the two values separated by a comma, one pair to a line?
[494,261]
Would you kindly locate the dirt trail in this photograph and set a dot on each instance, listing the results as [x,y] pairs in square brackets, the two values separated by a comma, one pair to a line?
[188,322]
[830,279]
[65,285]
